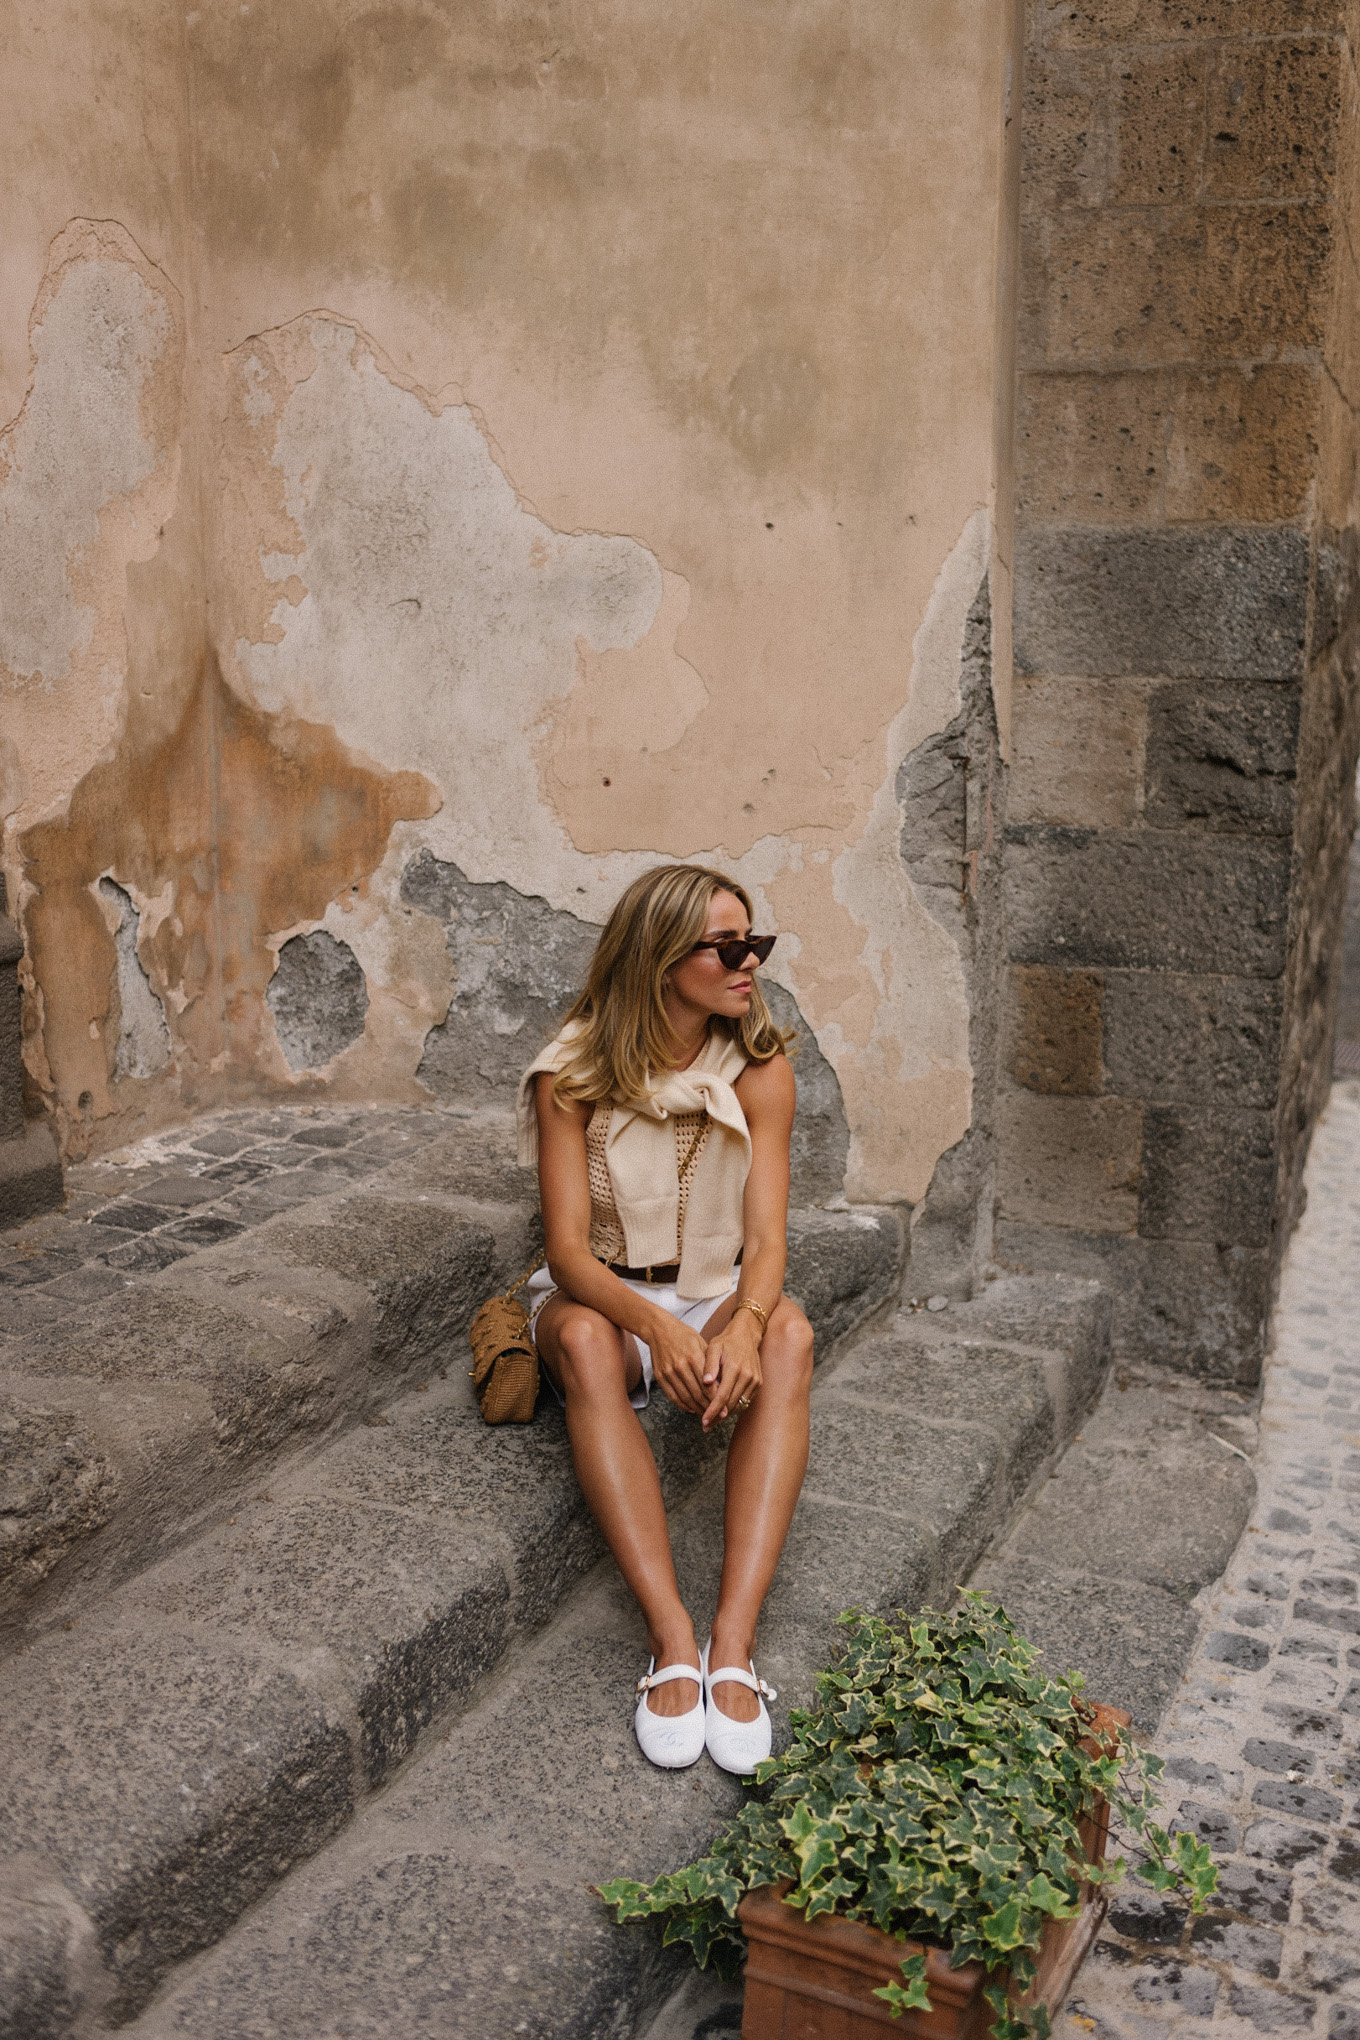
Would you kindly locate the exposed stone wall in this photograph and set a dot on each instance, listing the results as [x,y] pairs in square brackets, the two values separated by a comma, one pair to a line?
[1185,706]
[952,794]
[518,963]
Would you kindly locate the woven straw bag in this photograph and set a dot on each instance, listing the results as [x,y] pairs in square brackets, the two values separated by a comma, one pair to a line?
[504,1370]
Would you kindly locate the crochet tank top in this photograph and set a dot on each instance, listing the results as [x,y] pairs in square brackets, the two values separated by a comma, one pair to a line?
[607,1242]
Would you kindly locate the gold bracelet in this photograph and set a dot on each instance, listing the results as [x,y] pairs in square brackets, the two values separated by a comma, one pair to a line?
[749,1303]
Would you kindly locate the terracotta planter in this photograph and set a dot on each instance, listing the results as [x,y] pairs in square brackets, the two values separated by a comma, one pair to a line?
[815,1981]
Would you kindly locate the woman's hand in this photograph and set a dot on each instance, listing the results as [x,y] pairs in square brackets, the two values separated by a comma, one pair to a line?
[679,1361]
[733,1369]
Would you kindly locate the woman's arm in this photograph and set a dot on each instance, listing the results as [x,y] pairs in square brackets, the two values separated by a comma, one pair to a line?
[679,1355]
[767,1095]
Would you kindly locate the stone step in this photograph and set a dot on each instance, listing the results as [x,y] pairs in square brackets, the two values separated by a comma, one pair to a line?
[228,1715]
[186,1738]
[136,1406]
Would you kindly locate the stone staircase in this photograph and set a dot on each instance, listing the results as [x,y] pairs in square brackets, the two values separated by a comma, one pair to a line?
[323,1689]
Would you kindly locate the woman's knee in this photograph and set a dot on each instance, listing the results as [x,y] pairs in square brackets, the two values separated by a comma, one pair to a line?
[591,1354]
[786,1351]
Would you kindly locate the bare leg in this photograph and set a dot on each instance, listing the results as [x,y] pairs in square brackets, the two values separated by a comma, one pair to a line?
[593,1361]
[765,1467]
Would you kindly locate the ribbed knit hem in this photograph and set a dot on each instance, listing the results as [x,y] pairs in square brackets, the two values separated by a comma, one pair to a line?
[706,1264]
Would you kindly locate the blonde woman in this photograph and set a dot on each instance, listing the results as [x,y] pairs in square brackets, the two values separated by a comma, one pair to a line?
[660,1119]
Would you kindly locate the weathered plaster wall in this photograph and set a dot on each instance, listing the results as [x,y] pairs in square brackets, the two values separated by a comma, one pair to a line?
[536,440]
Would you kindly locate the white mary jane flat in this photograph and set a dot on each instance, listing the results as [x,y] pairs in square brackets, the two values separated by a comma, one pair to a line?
[671,1741]
[736,1746]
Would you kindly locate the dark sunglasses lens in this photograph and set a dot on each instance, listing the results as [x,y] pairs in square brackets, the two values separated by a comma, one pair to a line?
[732,955]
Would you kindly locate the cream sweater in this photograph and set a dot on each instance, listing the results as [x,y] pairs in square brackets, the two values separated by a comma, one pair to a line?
[640,1155]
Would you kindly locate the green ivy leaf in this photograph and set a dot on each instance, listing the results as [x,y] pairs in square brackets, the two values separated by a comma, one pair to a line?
[913,1995]
[1055,1900]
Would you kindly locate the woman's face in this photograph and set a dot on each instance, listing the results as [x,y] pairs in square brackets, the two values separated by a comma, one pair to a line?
[700,981]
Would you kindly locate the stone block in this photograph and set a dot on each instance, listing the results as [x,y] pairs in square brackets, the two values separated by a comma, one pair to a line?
[1054,1313]
[56,1490]
[1229,603]
[1054,1044]
[1065,135]
[1241,444]
[1182,283]
[842,1265]
[1147,1916]
[418,1940]
[1090,448]
[1096,24]
[30,1174]
[1158,120]
[1077,751]
[510,1486]
[405,1622]
[1069,1161]
[1131,1641]
[1144,1494]
[1147,900]
[1273,113]
[1186,1039]
[1184,445]
[947,1479]
[1208,1174]
[425,1268]
[840,1555]
[603,1810]
[1259,1894]
[264,1383]
[234,1770]
[961,1381]
[1222,757]
[1185,1304]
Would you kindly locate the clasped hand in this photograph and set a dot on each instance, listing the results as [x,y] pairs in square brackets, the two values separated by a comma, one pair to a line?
[709,1378]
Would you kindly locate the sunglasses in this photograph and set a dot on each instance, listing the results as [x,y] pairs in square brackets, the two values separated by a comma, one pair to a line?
[733,954]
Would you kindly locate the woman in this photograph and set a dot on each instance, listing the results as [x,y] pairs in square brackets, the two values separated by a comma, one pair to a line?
[660,1119]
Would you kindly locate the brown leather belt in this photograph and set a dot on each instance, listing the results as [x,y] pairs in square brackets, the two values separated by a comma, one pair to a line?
[670,1274]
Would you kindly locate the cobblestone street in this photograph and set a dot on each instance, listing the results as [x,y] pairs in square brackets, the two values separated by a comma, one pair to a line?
[1263,1742]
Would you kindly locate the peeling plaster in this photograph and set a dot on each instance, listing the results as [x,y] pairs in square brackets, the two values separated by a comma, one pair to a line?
[88,475]
[906,953]
[441,617]
[438,622]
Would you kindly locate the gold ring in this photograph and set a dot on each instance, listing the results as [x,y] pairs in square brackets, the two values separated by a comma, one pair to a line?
[743,1402]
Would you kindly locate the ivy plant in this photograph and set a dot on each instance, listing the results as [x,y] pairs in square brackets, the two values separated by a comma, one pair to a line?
[934,1791]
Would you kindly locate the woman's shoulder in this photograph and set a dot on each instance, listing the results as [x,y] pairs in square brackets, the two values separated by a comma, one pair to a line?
[769,1084]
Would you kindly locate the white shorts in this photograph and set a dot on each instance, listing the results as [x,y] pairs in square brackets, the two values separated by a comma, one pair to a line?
[664,1295]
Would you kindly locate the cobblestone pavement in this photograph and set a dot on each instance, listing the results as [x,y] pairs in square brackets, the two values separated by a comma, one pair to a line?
[172,1193]
[1263,1740]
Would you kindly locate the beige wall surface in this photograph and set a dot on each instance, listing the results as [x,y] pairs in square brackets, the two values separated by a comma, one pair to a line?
[554,437]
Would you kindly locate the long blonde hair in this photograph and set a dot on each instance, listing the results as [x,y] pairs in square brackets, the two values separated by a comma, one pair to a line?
[625,1035]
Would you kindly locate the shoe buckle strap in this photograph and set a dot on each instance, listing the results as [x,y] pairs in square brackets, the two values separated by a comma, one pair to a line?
[741,1678]
[650,1679]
